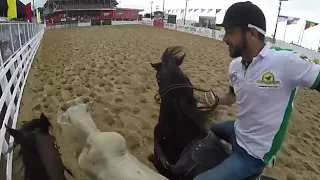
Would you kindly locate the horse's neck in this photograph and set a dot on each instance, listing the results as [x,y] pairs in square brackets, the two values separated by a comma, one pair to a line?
[173,112]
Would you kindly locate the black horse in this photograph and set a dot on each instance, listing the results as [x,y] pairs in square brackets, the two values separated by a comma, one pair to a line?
[183,146]
[38,150]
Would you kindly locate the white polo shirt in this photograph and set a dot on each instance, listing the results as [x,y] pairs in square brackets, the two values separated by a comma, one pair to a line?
[264,93]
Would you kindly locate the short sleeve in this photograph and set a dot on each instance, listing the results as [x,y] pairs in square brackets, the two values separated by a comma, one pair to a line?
[302,73]
[231,70]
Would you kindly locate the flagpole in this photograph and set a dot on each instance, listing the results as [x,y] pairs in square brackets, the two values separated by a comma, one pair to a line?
[300,35]
[185,13]
[285,31]
[303,29]
[163,1]
[275,29]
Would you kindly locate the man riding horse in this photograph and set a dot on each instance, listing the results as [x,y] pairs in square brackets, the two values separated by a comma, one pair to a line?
[263,82]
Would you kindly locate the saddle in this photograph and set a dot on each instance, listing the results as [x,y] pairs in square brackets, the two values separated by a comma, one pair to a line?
[199,156]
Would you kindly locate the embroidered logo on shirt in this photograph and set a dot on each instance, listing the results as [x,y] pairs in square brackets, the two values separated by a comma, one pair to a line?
[268,80]
[234,78]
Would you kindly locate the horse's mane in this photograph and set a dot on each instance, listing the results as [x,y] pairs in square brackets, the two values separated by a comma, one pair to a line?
[173,54]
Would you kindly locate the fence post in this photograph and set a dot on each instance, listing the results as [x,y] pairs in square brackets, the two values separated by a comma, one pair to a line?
[10,29]
[28,31]
[1,61]
[19,35]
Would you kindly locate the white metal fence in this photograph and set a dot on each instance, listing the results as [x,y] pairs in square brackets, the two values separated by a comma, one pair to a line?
[18,45]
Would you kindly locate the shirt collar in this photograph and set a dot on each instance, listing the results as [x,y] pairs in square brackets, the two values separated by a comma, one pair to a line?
[263,53]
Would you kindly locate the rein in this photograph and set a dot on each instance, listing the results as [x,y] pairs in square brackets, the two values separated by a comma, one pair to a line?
[165,91]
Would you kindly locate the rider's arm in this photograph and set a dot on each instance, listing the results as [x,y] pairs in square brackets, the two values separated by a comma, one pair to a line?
[302,73]
[229,98]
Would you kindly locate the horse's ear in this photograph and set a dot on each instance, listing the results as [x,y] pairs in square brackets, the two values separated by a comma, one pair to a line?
[43,117]
[180,59]
[156,66]
[14,133]
[89,106]
[64,119]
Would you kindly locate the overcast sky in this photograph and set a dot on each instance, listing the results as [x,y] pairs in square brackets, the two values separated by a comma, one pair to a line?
[304,9]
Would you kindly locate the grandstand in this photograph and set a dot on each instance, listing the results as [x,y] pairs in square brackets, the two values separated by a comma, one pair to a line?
[64,11]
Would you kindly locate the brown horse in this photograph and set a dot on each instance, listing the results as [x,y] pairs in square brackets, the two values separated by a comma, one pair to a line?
[38,150]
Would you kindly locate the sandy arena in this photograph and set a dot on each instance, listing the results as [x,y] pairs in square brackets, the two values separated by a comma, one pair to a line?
[111,66]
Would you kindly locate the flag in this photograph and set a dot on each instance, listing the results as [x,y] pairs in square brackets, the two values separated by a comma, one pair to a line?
[38,16]
[310,24]
[169,10]
[195,10]
[182,10]
[202,10]
[190,10]
[28,11]
[12,9]
[218,10]
[209,10]
[282,18]
[292,20]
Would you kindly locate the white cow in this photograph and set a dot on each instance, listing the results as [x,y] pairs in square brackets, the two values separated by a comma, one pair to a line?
[77,115]
[105,154]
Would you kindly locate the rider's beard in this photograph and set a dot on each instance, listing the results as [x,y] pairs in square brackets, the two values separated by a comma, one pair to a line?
[239,49]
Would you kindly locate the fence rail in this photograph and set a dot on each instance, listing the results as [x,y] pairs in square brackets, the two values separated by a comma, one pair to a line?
[13,36]
[18,45]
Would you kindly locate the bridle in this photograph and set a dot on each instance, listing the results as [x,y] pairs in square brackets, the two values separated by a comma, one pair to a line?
[165,91]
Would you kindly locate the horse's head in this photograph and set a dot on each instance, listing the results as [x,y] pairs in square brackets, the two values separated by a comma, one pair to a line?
[39,153]
[77,113]
[175,89]
[41,124]
[171,80]
[168,70]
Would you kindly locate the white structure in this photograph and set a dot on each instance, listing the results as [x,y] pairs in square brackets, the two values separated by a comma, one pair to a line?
[18,45]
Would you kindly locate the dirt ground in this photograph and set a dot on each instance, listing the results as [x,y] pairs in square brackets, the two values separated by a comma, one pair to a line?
[111,66]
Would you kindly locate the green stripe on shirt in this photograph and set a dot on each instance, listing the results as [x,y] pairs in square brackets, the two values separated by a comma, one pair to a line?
[316,82]
[279,137]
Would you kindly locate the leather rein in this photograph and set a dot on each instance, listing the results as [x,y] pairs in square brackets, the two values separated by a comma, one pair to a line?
[211,106]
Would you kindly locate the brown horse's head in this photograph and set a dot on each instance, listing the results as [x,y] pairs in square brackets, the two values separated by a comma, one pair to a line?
[39,153]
